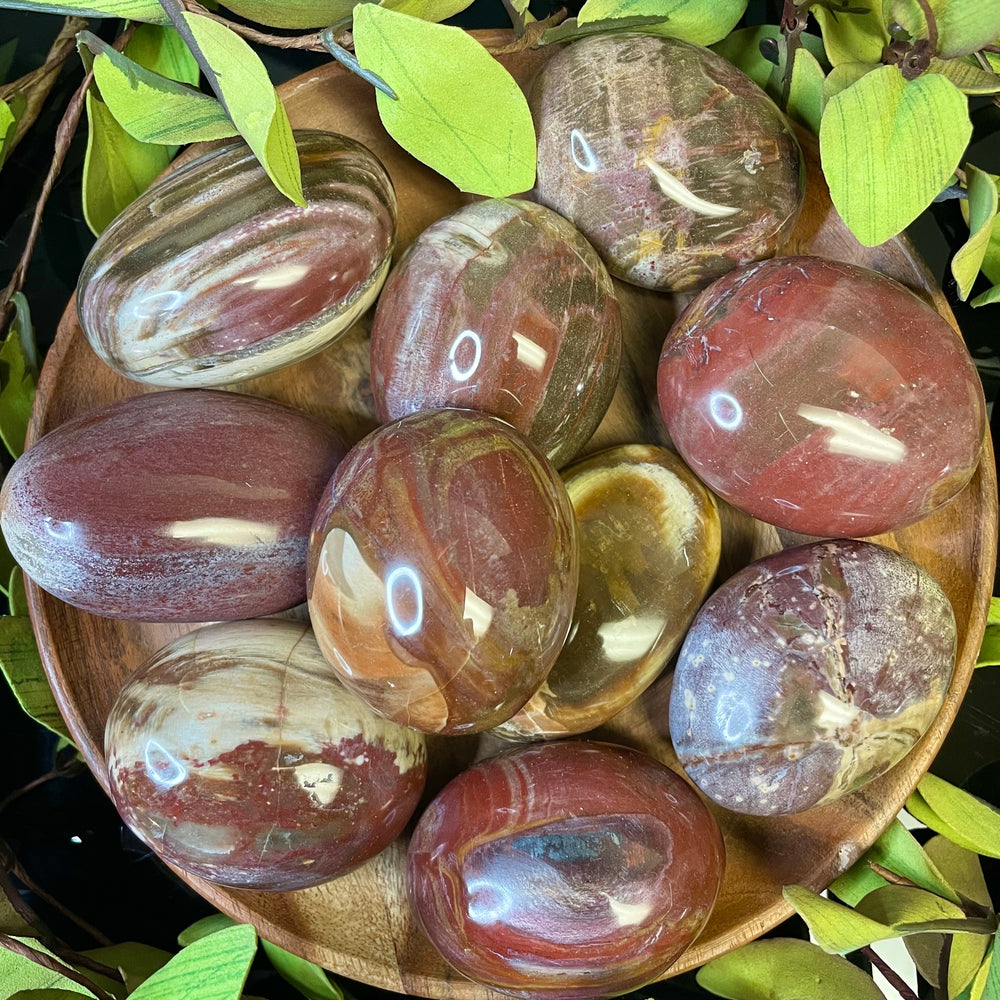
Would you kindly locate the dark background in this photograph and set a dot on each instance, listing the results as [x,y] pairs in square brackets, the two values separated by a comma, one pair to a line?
[63,831]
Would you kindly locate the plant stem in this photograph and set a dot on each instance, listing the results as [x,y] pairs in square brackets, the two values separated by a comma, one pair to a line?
[892,977]
[310,42]
[53,964]
[932,28]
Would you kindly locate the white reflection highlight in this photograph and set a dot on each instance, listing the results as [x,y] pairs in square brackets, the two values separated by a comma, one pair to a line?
[582,153]
[277,277]
[854,436]
[464,374]
[478,612]
[732,716]
[529,353]
[151,306]
[402,576]
[230,532]
[162,767]
[63,530]
[489,902]
[725,410]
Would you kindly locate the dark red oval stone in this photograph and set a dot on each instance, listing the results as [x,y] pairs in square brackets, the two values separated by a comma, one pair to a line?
[566,870]
[184,505]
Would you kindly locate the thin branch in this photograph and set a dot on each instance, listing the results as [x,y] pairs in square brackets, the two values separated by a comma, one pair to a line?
[890,876]
[892,977]
[52,964]
[84,925]
[311,42]
[932,28]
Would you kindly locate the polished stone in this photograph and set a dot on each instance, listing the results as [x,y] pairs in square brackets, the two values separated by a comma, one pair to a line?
[237,755]
[565,870]
[650,540]
[443,567]
[672,162]
[212,276]
[182,505]
[809,673]
[822,397]
[503,307]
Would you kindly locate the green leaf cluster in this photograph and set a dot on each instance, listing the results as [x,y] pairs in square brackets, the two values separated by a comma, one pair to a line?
[933,896]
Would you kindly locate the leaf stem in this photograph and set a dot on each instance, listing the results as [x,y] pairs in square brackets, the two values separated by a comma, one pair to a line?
[311,42]
[892,977]
[932,28]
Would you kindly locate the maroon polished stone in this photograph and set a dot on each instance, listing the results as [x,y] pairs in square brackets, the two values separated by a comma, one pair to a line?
[672,162]
[443,569]
[186,505]
[809,673]
[236,754]
[822,397]
[503,307]
[565,870]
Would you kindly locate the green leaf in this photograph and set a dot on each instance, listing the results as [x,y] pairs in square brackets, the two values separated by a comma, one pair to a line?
[991,268]
[843,76]
[307,977]
[898,851]
[133,10]
[805,94]
[963,26]
[444,79]
[8,125]
[212,968]
[779,968]
[986,298]
[982,207]
[881,168]
[742,49]
[293,13]
[202,928]
[570,31]
[434,10]
[699,21]
[965,960]
[18,372]
[136,961]
[11,922]
[22,667]
[991,986]
[961,867]
[163,51]
[116,167]
[852,37]
[251,102]
[151,107]
[47,994]
[967,820]
[900,905]
[967,75]
[18,972]
[836,928]
[16,593]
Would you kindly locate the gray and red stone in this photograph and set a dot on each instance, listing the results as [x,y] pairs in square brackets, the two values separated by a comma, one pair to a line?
[672,162]
[650,541]
[809,673]
[822,397]
[178,505]
[567,870]
[443,568]
[212,276]
[236,754]
[503,307]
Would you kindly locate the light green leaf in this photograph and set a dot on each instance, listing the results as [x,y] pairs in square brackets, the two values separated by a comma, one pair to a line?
[444,79]
[993,612]
[202,928]
[982,207]
[961,867]
[434,10]
[212,968]
[8,125]
[742,49]
[991,985]
[163,51]
[133,10]
[251,102]
[11,922]
[898,851]
[898,905]
[963,26]
[967,75]
[779,968]
[16,593]
[699,21]
[17,972]
[961,817]
[837,929]
[22,667]
[991,268]
[986,298]
[151,107]
[881,169]
[852,37]
[18,373]
[843,76]
[136,961]
[805,94]
[570,31]
[116,167]
[299,14]
[307,977]
[965,960]
[47,994]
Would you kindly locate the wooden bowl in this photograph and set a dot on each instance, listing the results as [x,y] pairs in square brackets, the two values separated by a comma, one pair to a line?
[360,925]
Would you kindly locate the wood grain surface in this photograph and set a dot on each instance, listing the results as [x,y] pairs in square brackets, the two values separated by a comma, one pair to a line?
[360,925]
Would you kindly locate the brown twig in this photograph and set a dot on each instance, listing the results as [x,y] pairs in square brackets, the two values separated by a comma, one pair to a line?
[892,977]
[309,42]
[932,28]
[890,876]
[533,31]
[53,964]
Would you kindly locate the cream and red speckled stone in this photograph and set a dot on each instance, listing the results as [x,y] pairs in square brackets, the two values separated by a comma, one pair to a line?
[503,307]
[183,505]
[212,276]
[822,397]
[808,673]
[672,162]
[443,569]
[567,870]
[236,754]
[650,541]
